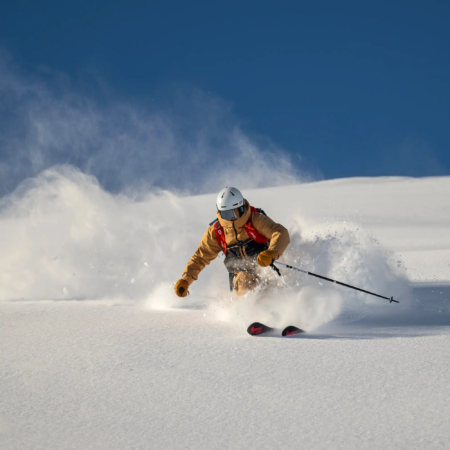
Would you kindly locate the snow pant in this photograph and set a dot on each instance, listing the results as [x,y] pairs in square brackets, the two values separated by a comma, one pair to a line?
[245,282]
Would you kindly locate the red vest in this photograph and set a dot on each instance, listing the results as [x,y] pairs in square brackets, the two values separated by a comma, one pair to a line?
[249,228]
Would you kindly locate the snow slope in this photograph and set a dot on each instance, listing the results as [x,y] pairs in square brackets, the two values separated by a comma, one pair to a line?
[97,352]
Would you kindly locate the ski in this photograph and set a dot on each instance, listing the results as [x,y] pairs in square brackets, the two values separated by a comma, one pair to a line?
[257,328]
[291,330]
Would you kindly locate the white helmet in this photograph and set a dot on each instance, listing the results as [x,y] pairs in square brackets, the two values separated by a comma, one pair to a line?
[230,199]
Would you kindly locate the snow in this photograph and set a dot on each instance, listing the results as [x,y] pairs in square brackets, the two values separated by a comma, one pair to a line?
[97,352]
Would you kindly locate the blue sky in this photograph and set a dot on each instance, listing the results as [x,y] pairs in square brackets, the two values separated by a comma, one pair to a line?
[357,88]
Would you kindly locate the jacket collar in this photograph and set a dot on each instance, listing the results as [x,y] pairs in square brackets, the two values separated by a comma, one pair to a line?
[239,223]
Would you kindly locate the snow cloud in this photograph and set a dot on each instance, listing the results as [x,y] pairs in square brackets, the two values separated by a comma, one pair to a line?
[190,142]
[95,203]
[94,188]
[70,239]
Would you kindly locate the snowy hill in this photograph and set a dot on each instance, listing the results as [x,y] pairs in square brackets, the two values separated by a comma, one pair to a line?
[98,353]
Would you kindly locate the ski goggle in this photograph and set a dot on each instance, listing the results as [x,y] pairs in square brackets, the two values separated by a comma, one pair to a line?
[232,213]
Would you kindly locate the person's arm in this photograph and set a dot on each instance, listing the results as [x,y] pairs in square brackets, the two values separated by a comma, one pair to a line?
[276,233]
[207,251]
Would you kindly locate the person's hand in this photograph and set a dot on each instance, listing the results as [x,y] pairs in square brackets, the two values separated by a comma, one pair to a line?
[266,258]
[181,288]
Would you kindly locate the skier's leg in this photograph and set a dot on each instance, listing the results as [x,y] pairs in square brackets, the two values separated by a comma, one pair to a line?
[245,282]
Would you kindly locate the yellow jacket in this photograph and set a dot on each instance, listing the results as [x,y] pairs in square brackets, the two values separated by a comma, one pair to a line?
[209,248]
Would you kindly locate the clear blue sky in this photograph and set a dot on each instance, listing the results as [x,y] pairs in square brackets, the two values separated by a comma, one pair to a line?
[358,88]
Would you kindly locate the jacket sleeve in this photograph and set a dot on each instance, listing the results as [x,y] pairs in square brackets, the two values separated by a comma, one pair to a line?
[276,233]
[207,251]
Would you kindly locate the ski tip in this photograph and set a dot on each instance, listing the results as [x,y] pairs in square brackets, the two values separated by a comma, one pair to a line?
[291,330]
[257,328]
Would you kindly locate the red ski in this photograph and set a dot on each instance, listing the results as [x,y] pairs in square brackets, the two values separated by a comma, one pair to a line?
[291,330]
[257,328]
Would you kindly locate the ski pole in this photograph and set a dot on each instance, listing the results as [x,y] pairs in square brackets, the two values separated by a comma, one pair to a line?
[391,299]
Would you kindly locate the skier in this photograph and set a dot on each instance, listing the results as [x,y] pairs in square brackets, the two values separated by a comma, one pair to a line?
[246,236]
